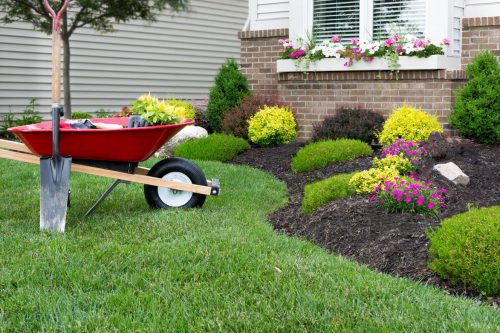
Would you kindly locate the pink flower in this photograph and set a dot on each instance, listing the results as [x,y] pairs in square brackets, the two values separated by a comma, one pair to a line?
[335,39]
[409,153]
[430,205]
[399,48]
[408,200]
[372,198]
[446,41]
[389,42]
[396,37]
[418,43]
[420,200]
[354,41]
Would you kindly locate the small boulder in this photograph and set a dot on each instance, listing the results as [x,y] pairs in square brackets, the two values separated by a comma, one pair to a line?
[453,173]
[187,133]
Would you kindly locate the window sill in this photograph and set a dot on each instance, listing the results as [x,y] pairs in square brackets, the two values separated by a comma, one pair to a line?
[433,62]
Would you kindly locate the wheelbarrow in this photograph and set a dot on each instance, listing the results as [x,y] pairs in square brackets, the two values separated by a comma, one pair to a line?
[116,153]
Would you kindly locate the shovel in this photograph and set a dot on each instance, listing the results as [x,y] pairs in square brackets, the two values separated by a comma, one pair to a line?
[55,170]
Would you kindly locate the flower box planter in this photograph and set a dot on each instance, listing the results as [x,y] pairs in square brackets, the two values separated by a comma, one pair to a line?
[378,64]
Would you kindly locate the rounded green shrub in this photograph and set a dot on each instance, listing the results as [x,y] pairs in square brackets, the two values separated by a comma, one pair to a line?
[476,112]
[349,124]
[215,147]
[410,124]
[272,125]
[230,88]
[465,249]
[320,154]
[182,109]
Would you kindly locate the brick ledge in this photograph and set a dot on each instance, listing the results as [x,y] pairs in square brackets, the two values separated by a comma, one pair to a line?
[470,22]
[263,33]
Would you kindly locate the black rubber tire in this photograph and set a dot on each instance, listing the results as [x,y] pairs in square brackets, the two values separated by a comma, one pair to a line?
[175,164]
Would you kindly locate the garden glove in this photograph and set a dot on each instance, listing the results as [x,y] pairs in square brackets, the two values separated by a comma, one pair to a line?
[135,121]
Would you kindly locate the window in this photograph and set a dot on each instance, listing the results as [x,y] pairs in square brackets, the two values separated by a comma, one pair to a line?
[368,19]
[404,15]
[338,17]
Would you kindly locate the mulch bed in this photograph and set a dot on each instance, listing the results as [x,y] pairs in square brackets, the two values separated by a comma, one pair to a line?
[392,243]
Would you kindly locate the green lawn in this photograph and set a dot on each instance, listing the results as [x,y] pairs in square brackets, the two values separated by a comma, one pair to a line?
[220,268]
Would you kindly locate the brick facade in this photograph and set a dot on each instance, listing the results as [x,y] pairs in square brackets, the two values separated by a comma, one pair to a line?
[480,33]
[317,95]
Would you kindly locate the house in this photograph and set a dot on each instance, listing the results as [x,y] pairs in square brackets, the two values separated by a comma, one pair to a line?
[177,56]
[471,25]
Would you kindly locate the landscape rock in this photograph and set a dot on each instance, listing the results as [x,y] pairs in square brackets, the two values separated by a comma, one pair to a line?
[187,133]
[453,173]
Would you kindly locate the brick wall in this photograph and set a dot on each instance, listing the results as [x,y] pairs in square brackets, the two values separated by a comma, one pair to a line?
[314,99]
[259,52]
[317,95]
[480,33]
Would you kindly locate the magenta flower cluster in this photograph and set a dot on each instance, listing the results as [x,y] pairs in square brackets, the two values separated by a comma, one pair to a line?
[411,150]
[409,195]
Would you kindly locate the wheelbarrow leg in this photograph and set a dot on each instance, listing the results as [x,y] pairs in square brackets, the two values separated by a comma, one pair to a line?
[103,196]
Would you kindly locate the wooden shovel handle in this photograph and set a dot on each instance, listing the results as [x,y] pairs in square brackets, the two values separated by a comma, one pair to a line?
[56,49]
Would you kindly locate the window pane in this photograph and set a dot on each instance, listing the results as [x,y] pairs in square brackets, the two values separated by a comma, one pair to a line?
[399,16]
[336,17]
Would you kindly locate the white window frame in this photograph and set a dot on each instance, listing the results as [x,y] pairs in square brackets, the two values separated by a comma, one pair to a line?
[438,20]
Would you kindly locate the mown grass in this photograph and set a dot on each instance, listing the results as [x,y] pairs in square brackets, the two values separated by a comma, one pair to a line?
[215,147]
[322,192]
[320,154]
[219,268]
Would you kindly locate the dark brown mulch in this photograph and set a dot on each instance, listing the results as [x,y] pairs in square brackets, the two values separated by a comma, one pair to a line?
[392,243]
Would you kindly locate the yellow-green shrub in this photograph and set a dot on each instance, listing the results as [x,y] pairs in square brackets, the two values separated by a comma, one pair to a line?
[409,123]
[365,181]
[403,165]
[182,109]
[272,125]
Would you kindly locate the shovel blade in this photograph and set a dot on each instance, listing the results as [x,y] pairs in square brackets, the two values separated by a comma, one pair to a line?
[54,188]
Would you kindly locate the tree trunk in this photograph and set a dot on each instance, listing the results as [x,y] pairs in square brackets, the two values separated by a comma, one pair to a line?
[66,68]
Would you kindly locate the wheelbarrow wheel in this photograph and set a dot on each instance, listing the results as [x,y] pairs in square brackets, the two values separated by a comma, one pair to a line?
[177,170]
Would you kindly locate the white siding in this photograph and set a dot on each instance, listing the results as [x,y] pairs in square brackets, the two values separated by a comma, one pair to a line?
[174,57]
[482,8]
[268,14]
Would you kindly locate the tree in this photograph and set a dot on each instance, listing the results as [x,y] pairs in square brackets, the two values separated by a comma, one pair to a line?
[100,15]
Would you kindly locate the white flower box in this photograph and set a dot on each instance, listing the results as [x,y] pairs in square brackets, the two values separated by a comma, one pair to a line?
[378,64]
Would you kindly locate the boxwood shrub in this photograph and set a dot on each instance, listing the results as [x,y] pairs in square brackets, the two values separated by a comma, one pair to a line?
[322,192]
[322,153]
[466,249]
[215,147]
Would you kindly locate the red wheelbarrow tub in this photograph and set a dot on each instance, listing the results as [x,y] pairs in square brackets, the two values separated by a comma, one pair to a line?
[117,145]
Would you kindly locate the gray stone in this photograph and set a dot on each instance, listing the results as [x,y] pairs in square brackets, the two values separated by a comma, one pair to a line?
[187,133]
[453,173]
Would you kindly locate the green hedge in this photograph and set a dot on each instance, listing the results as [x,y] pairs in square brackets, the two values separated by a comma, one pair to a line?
[322,192]
[466,249]
[320,154]
[215,147]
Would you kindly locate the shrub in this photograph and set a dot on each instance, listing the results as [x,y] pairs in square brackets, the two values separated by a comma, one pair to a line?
[465,249]
[322,153]
[403,165]
[351,124]
[272,125]
[29,116]
[154,111]
[322,192]
[230,88]
[215,147]
[235,121]
[200,119]
[409,195]
[182,109]
[366,181]
[80,115]
[410,124]
[476,112]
